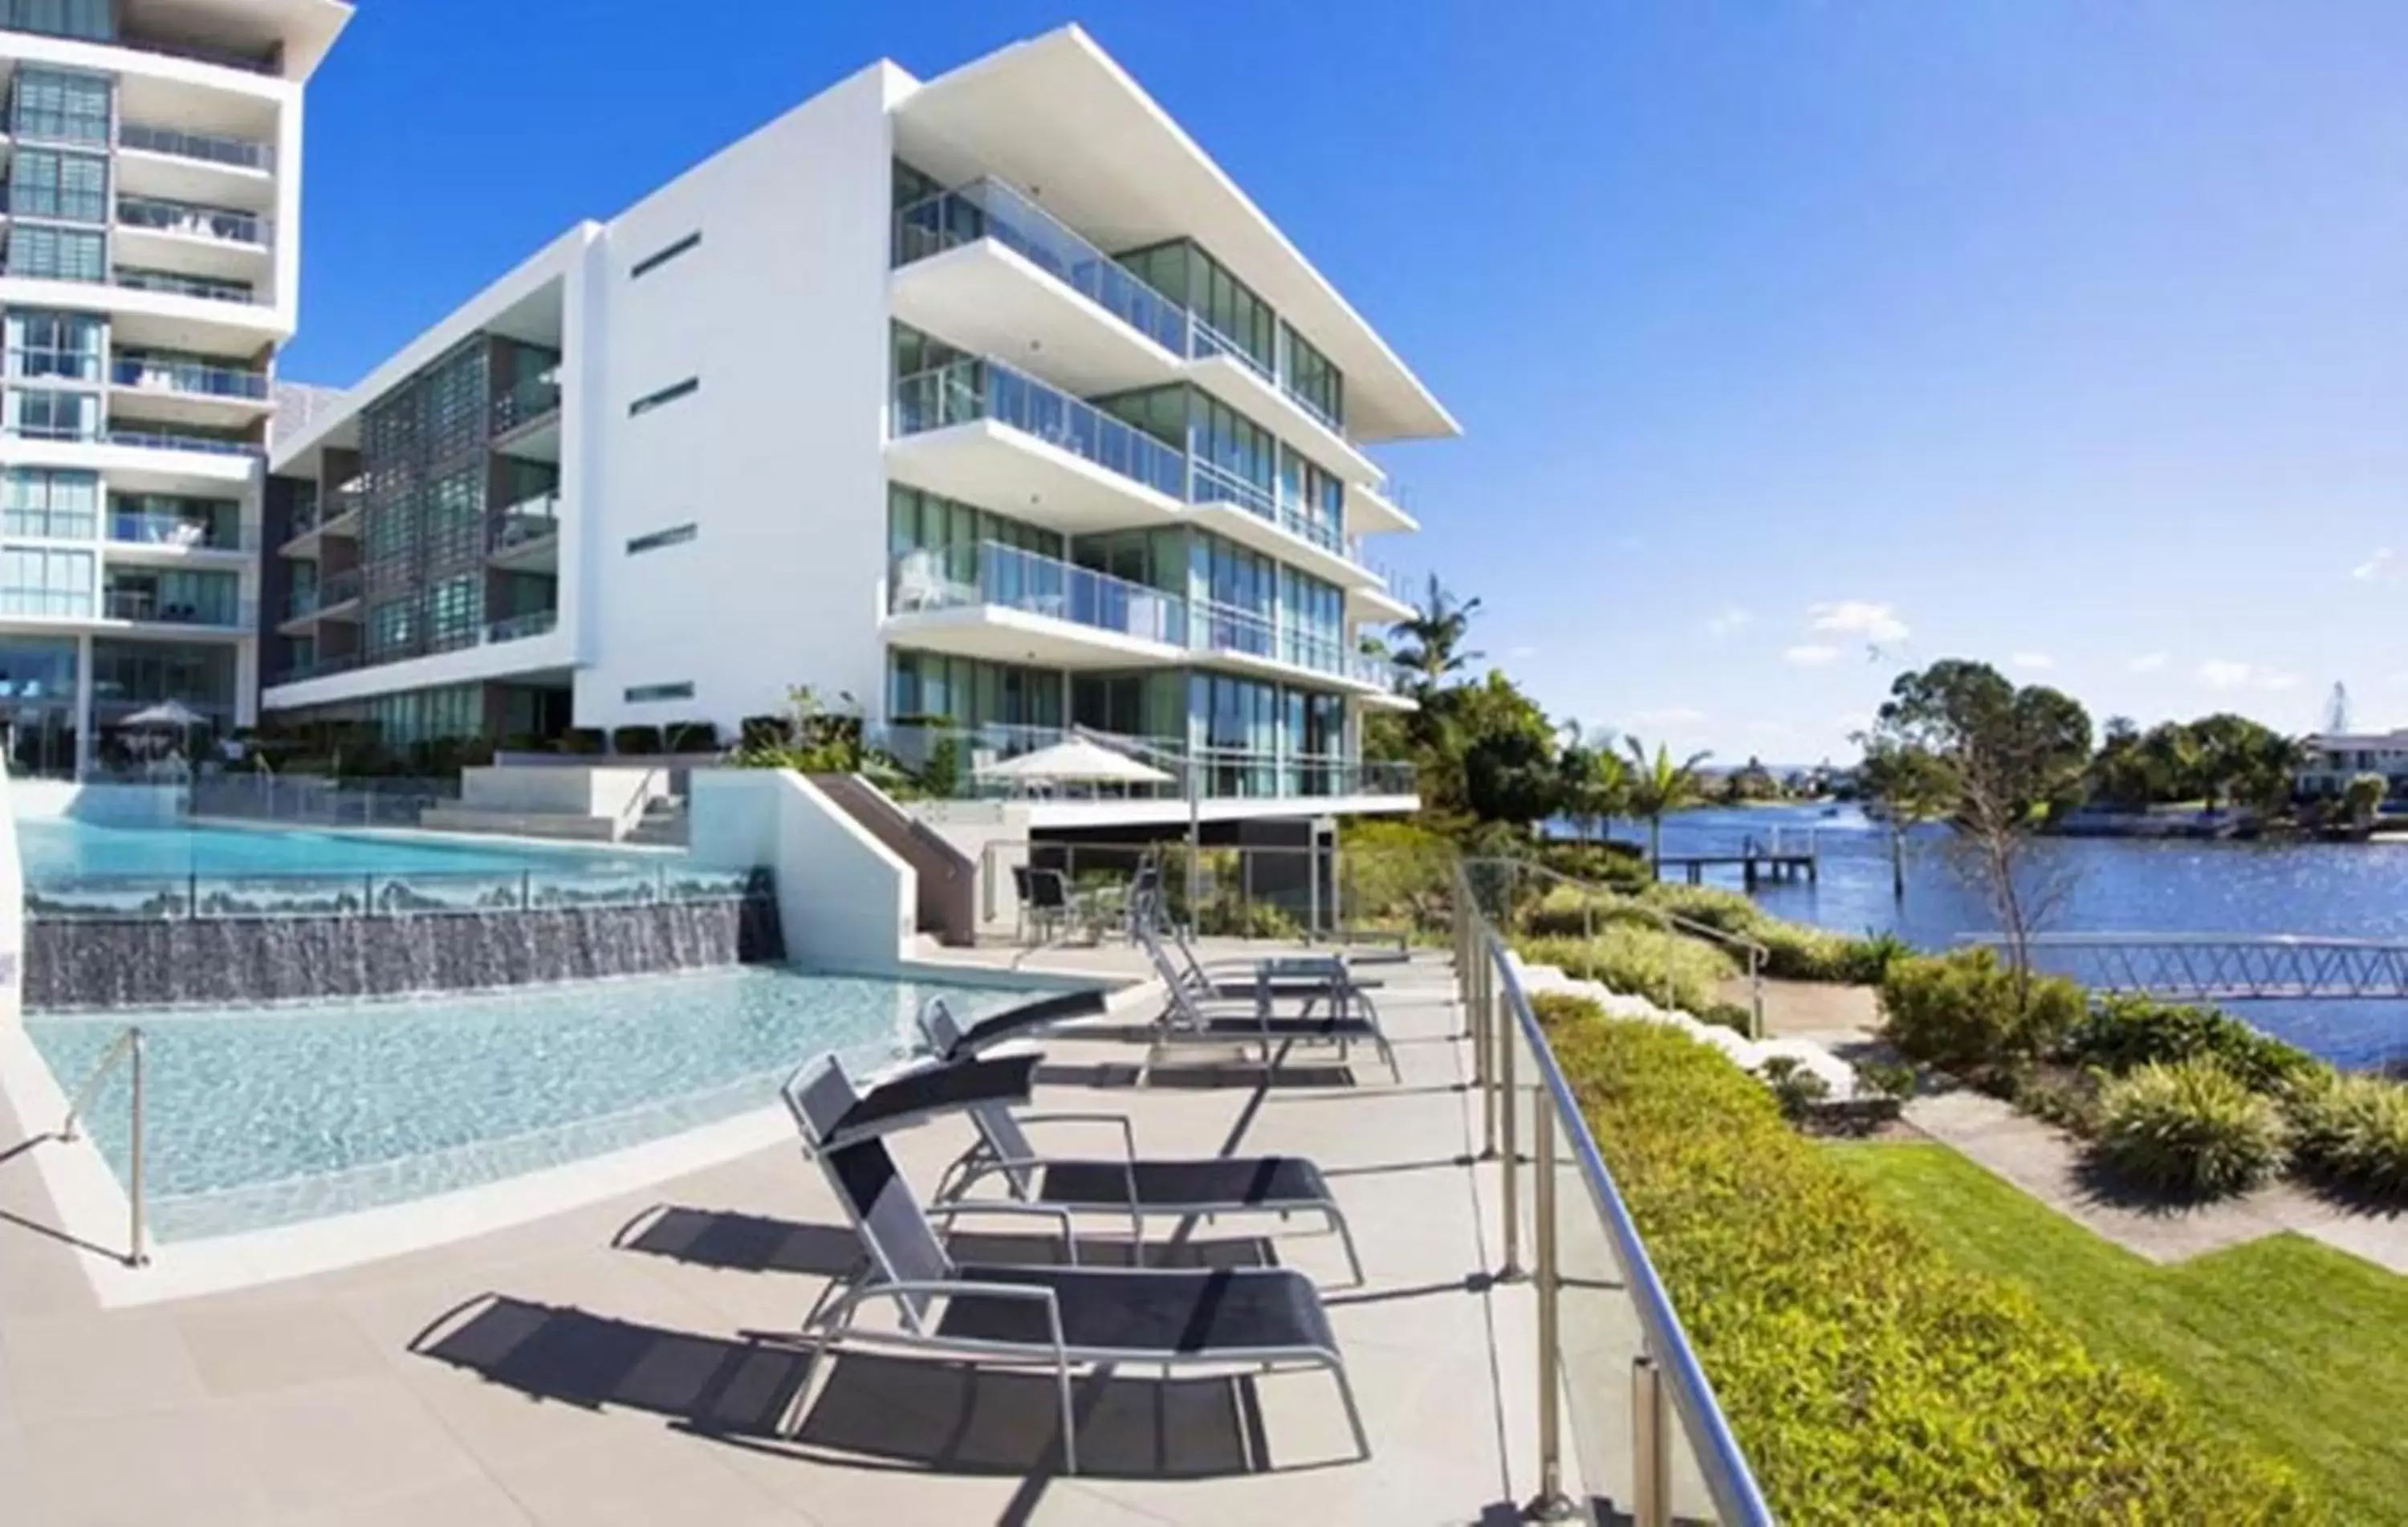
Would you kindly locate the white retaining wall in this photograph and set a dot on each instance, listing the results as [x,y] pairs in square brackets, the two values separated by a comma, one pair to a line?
[845,900]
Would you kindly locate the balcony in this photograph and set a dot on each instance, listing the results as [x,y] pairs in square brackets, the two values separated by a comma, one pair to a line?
[163,440]
[47,603]
[525,535]
[1220,774]
[145,606]
[190,378]
[200,148]
[191,219]
[999,602]
[329,593]
[988,268]
[979,430]
[519,628]
[317,667]
[178,284]
[175,532]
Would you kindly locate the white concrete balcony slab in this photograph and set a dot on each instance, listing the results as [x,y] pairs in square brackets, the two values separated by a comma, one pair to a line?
[1374,510]
[1059,480]
[986,296]
[1007,605]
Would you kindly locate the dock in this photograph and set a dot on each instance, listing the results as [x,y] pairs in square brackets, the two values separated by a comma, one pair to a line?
[1778,859]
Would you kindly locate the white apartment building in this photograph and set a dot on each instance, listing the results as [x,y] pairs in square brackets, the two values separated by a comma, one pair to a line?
[988,402]
[150,271]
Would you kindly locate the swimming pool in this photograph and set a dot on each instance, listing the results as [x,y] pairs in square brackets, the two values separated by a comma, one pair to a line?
[65,850]
[264,1117]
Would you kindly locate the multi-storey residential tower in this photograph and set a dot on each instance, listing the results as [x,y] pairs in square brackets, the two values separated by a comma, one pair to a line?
[152,269]
[990,402]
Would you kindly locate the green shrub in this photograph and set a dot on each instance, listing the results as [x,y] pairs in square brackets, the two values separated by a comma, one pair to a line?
[1886,1079]
[2351,1131]
[2120,1034]
[1641,962]
[1867,1376]
[2189,1127]
[1961,1010]
[1796,1089]
[691,737]
[1725,911]
[2070,1103]
[635,742]
[1868,958]
[585,740]
[763,731]
[1730,1016]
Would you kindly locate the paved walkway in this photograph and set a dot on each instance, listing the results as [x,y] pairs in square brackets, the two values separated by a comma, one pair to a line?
[2046,1163]
[604,1365]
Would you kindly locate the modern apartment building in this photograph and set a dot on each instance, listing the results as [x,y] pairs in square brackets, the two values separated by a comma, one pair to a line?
[151,271]
[988,402]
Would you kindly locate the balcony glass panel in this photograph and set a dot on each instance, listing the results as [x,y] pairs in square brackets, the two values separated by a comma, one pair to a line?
[191,374]
[530,399]
[241,152]
[163,440]
[223,223]
[176,283]
[990,210]
[971,390]
[190,525]
[992,573]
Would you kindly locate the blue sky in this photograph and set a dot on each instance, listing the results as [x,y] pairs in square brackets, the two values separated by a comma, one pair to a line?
[2065,335]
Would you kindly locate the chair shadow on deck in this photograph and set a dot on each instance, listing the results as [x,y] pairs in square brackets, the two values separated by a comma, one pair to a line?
[919,1414]
[733,1240]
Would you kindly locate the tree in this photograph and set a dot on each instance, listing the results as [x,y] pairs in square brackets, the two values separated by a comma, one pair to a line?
[1433,638]
[1658,786]
[1507,751]
[2004,759]
[1591,782]
[2364,795]
[1910,786]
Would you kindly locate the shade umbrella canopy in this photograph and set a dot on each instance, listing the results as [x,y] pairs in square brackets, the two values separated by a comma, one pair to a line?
[1076,760]
[168,712]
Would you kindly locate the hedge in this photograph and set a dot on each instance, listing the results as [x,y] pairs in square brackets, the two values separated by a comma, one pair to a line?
[1867,1376]
[1640,962]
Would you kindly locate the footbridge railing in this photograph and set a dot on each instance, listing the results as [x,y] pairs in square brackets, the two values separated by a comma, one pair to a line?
[2222,967]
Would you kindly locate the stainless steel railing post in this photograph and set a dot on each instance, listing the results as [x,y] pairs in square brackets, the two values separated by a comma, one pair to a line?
[139,1254]
[1483,1011]
[1501,1027]
[1651,1446]
[1550,1503]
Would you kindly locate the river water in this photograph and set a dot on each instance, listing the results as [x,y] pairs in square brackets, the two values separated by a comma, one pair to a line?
[2105,886]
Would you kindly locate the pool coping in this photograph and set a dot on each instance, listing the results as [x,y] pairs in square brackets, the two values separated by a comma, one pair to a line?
[93,1210]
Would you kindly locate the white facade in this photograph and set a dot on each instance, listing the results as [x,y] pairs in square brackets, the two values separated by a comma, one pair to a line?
[731,428]
[152,270]
[2335,758]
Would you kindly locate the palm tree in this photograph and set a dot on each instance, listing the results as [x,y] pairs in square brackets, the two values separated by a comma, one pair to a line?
[1433,638]
[1658,786]
[1590,779]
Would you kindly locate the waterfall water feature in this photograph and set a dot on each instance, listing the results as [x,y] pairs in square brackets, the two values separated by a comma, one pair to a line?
[87,963]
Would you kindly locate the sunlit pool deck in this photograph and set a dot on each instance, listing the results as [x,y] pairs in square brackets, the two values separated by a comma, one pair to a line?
[607,1363]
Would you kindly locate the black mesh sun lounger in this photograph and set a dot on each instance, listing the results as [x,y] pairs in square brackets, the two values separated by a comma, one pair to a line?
[1024,1021]
[1140,1188]
[1345,1017]
[1060,1316]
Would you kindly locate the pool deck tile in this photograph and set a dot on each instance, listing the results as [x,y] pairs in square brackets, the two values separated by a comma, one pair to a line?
[622,1362]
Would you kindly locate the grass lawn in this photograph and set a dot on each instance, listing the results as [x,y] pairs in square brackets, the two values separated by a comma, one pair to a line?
[2296,1347]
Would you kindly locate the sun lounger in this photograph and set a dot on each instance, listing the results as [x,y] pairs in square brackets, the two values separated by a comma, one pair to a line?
[1345,1016]
[1063,1317]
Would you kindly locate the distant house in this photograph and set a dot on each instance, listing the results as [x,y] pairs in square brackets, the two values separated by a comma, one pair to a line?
[2334,759]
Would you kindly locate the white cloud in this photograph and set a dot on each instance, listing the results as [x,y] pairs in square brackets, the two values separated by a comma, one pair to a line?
[1810,655]
[1728,622]
[2223,673]
[2381,565]
[2148,662]
[1671,718]
[1875,623]
[2030,662]
[1521,652]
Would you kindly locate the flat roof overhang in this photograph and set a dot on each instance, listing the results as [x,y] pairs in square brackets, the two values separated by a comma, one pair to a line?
[999,633]
[1057,118]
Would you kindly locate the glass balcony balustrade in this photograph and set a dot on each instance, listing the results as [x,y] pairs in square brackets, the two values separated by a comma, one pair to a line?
[1216,773]
[991,573]
[193,378]
[208,148]
[988,208]
[527,522]
[141,527]
[224,224]
[176,283]
[151,605]
[519,628]
[525,401]
[969,390]
[331,592]
[161,440]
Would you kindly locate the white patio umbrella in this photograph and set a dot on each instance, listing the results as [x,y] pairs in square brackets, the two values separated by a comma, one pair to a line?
[172,713]
[1074,761]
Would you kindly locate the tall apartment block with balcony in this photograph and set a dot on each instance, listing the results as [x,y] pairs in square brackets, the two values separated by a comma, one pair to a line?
[149,273]
[989,403]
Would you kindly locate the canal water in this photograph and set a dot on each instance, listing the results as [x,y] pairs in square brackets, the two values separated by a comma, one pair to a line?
[2106,886]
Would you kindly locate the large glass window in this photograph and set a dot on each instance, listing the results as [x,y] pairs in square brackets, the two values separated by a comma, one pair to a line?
[94,20]
[42,413]
[928,522]
[192,598]
[925,688]
[160,519]
[1313,622]
[390,625]
[1313,503]
[1156,559]
[64,254]
[1231,318]
[59,505]
[48,103]
[1150,705]
[51,344]
[47,183]
[35,581]
[456,613]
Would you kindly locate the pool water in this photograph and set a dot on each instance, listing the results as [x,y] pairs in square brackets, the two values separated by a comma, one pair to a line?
[262,1117]
[66,851]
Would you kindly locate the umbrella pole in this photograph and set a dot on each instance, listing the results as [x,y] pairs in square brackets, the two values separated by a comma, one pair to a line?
[1194,841]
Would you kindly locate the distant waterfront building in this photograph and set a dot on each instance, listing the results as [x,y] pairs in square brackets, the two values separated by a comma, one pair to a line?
[2335,758]
[989,402]
[152,269]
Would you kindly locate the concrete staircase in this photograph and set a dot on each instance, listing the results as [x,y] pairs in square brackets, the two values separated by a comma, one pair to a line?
[664,824]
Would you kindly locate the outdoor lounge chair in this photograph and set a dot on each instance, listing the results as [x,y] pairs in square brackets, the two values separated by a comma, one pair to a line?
[1137,1186]
[1026,1021]
[1060,1316]
[1242,1017]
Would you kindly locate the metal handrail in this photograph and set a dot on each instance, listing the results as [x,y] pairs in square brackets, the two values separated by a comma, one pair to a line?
[1667,1368]
[1753,954]
[127,1045]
